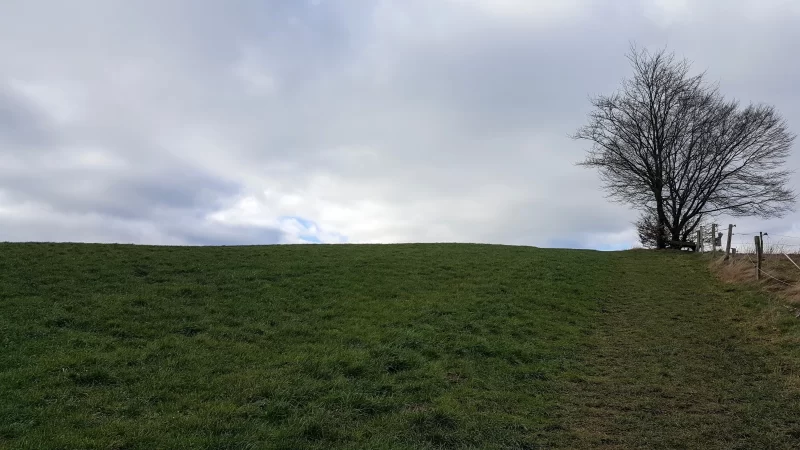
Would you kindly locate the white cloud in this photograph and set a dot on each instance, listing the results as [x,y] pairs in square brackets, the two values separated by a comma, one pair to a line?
[364,121]
[251,70]
[540,11]
[668,12]
[53,98]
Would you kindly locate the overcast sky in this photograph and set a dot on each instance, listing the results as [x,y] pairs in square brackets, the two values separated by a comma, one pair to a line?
[232,122]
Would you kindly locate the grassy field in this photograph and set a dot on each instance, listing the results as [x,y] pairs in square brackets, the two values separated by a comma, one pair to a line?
[398,346]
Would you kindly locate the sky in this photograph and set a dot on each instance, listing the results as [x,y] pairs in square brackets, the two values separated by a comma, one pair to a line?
[203,122]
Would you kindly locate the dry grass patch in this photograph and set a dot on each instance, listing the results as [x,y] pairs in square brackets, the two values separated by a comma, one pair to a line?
[779,273]
[773,325]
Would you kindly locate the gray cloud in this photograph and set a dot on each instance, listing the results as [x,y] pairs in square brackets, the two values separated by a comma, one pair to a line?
[21,123]
[201,122]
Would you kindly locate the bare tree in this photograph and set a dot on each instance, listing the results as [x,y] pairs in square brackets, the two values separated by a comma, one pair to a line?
[672,146]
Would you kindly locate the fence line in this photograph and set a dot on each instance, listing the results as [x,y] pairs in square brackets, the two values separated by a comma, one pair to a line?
[783,235]
[774,263]
[767,247]
[767,273]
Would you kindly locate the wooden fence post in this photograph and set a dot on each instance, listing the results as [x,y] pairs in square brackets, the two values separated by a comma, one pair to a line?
[728,245]
[702,244]
[713,239]
[759,249]
[699,241]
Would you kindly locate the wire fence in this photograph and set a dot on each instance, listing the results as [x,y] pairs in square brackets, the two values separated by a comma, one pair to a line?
[780,254]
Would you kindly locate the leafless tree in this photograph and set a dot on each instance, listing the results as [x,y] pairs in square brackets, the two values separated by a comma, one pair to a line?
[672,146]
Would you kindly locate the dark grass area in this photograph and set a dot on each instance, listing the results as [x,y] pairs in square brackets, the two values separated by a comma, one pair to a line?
[393,346]
[685,361]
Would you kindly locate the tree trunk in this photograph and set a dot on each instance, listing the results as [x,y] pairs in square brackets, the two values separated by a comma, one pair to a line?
[662,220]
[660,241]
[675,230]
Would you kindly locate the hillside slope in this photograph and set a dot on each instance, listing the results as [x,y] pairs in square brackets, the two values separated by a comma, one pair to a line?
[386,346]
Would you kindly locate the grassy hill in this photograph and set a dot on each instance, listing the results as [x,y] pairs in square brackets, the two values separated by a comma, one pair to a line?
[387,346]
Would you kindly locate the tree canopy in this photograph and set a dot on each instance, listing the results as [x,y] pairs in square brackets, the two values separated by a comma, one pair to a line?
[670,145]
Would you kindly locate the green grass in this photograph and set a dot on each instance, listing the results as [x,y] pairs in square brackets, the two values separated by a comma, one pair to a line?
[397,346]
